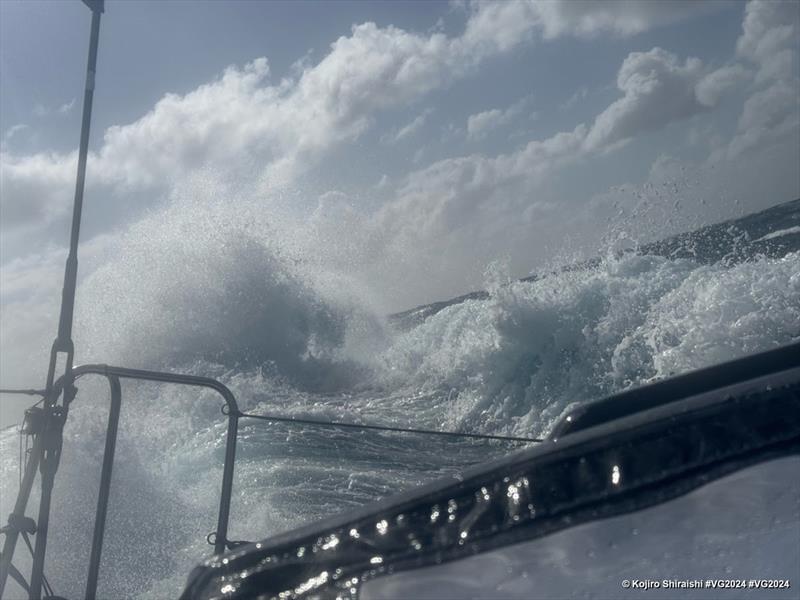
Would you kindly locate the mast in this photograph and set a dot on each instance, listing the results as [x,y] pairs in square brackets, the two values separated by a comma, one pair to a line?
[48,430]
[55,416]
[63,342]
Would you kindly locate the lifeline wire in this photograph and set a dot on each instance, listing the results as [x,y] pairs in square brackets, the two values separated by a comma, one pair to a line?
[480,436]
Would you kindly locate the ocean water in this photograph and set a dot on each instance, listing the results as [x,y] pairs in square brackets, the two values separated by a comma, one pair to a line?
[508,360]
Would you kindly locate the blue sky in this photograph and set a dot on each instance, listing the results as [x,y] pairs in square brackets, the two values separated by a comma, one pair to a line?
[402,146]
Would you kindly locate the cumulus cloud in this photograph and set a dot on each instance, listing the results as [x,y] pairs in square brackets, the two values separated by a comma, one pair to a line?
[471,206]
[769,41]
[243,121]
[769,38]
[768,115]
[711,88]
[499,26]
[35,189]
[657,89]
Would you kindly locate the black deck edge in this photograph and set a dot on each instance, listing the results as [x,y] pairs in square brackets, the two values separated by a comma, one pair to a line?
[678,388]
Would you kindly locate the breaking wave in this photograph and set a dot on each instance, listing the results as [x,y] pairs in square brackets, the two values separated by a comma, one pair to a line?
[213,296]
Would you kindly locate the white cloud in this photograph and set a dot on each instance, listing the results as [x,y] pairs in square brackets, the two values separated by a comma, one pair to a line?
[36,189]
[240,121]
[716,84]
[657,89]
[66,108]
[768,115]
[769,36]
[465,210]
[458,211]
[499,26]
[40,110]
[588,18]
[12,131]
[410,129]
[502,24]
[448,219]
[767,109]
[769,40]
[481,124]
[573,100]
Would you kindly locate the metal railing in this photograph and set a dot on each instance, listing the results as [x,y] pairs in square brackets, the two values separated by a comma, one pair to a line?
[113,375]
[219,537]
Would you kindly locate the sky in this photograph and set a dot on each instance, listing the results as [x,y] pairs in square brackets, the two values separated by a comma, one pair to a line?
[401,149]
